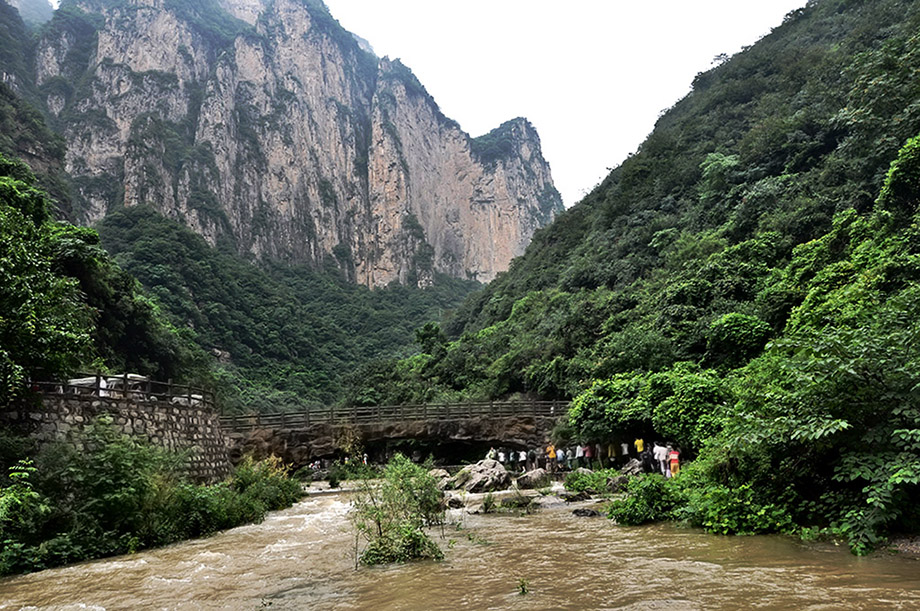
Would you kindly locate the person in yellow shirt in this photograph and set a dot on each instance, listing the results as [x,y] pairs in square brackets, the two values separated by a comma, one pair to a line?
[640,445]
[550,458]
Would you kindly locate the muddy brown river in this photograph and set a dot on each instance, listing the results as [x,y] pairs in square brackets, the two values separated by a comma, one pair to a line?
[303,558]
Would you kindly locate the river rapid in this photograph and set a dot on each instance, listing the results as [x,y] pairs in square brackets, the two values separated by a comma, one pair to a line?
[303,558]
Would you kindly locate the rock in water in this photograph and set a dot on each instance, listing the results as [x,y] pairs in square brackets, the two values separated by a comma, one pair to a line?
[442,476]
[586,513]
[454,502]
[533,479]
[573,497]
[485,476]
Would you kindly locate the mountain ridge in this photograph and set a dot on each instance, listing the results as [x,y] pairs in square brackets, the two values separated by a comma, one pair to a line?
[267,126]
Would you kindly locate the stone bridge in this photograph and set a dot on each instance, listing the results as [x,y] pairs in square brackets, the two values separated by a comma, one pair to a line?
[447,430]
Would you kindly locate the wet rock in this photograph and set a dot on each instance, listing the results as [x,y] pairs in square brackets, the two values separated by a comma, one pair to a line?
[633,467]
[517,501]
[454,502]
[572,497]
[586,513]
[442,477]
[485,476]
[533,479]
[583,471]
[617,484]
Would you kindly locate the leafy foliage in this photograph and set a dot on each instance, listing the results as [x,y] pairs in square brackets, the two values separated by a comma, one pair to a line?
[64,302]
[594,482]
[649,498]
[119,496]
[391,515]
[736,286]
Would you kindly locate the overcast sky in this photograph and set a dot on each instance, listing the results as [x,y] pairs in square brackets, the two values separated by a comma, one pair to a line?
[591,75]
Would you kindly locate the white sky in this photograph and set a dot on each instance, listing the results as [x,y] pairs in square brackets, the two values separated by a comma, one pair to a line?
[591,75]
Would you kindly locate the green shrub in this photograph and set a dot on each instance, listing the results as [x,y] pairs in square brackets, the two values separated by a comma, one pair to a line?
[119,496]
[391,515]
[738,510]
[406,543]
[594,482]
[649,498]
[736,338]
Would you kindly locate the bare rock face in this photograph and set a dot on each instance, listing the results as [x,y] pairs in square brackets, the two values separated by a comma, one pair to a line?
[485,476]
[266,126]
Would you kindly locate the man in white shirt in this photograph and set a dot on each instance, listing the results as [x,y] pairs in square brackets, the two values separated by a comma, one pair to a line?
[661,455]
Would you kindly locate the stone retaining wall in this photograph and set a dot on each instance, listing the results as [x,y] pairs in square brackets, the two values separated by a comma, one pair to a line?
[192,429]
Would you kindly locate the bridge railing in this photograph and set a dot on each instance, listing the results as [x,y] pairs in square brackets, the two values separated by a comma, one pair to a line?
[394,413]
[128,386]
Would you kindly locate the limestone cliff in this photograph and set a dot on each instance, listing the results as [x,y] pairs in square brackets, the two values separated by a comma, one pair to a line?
[265,126]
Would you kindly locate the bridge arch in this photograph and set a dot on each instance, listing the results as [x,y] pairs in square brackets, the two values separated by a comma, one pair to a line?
[443,430]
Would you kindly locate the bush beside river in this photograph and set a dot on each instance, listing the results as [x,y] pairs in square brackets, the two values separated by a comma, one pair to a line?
[119,496]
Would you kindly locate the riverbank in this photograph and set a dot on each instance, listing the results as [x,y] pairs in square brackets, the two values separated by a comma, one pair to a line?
[302,557]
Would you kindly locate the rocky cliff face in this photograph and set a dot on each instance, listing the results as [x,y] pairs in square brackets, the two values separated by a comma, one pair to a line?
[263,125]
[33,12]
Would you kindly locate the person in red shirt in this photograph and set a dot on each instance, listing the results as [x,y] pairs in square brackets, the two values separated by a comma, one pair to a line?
[674,460]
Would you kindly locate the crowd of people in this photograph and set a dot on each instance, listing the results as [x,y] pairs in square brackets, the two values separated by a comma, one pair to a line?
[661,457]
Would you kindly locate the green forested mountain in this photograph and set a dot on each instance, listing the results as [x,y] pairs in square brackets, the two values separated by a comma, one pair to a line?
[702,220]
[286,336]
[744,285]
[270,337]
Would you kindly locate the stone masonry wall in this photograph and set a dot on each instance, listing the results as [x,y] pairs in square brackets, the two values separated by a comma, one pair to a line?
[182,428]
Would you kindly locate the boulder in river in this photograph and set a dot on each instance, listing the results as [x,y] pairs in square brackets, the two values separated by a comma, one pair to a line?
[441,476]
[572,497]
[454,501]
[485,476]
[584,512]
[533,479]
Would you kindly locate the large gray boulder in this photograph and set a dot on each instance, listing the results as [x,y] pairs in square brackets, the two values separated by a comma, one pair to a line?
[537,478]
[633,467]
[442,477]
[485,476]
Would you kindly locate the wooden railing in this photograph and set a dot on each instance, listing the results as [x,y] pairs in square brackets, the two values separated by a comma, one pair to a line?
[127,386]
[394,413]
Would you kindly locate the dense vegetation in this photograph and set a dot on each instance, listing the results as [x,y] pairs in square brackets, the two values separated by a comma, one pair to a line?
[743,286]
[118,496]
[286,335]
[64,304]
